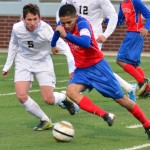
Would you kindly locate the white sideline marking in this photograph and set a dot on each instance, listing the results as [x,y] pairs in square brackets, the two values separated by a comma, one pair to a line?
[7,94]
[134,126]
[137,147]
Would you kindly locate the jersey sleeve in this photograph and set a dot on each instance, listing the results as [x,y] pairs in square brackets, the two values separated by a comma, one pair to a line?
[140,7]
[121,17]
[12,51]
[110,13]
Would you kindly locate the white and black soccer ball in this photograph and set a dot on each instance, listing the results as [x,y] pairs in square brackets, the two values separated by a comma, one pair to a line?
[63,131]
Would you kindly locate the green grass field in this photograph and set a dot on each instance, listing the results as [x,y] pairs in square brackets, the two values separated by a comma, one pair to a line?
[92,133]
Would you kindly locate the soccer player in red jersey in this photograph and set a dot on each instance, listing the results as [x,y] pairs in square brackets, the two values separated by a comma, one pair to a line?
[131,11]
[92,70]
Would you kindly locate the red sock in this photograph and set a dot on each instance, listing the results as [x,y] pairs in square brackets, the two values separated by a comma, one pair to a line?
[139,115]
[87,105]
[147,88]
[133,72]
[140,70]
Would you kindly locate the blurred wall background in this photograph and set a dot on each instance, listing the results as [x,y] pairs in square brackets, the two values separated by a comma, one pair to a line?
[11,12]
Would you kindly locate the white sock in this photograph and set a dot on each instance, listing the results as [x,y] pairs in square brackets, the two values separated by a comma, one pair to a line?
[125,85]
[59,97]
[32,107]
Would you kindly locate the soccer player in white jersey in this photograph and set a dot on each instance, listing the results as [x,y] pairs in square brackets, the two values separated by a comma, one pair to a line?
[30,47]
[95,11]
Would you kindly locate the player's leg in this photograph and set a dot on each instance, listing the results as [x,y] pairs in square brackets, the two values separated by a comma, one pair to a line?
[136,111]
[22,88]
[147,89]
[129,88]
[142,81]
[23,79]
[46,81]
[110,87]
[74,93]
[129,57]
[113,89]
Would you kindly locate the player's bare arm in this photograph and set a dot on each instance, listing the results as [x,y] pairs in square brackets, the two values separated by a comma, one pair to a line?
[101,39]
[55,50]
[4,73]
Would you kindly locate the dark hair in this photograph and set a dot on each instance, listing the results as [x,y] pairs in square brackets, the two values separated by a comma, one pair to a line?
[31,8]
[67,10]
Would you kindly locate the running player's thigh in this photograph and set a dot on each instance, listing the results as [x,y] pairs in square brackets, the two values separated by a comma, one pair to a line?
[22,89]
[23,79]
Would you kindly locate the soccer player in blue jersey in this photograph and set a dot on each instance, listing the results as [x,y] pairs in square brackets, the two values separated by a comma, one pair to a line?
[131,11]
[92,70]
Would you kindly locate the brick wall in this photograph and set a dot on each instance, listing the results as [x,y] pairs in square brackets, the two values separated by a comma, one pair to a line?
[6,23]
[112,43]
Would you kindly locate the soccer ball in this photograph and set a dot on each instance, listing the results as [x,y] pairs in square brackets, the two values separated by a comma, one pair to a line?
[63,131]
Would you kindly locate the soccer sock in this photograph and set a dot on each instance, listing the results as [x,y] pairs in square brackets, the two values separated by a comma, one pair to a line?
[125,85]
[138,114]
[32,107]
[133,72]
[147,88]
[59,97]
[140,70]
[87,105]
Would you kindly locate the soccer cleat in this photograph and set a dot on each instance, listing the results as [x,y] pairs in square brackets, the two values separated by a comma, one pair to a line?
[142,87]
[132,94]
[147,130]
[44,125]
[69,106]
[77,108]
[109,118]
[63,106]
[146,94]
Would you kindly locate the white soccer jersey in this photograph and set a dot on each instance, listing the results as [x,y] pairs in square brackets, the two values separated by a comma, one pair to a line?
[95,11]
[34,45]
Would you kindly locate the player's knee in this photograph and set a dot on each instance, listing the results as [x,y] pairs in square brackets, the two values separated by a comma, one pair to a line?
[70,93]
[22,97]
[49,100]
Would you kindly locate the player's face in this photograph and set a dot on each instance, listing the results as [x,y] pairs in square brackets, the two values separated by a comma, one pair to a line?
[31,21]
[68,22]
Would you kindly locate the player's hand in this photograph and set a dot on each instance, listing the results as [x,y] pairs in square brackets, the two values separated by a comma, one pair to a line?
[4,73]
[71,75]
[101,39]
[143,32]
[55,50]
[61,30]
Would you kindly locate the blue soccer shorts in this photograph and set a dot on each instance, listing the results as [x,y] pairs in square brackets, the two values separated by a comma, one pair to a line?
[100,77]
[131,49]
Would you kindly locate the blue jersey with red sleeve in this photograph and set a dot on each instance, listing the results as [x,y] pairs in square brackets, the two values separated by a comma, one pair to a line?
[131,11]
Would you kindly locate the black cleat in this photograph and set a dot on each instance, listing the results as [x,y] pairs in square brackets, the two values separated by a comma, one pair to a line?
[146,93]
[109,118]
[142,87]
[147,130]
[44,125]
[69,106]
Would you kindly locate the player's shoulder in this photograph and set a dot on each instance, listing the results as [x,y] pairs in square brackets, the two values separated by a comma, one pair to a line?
[43,24]
[81,19]
[18,25]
